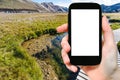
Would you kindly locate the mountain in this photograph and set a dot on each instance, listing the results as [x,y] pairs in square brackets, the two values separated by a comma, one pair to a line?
[17,4]
[29,5]
[111,9]
[54,8]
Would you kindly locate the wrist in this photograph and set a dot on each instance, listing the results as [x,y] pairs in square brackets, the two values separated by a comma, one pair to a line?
[99,76]
[115,75]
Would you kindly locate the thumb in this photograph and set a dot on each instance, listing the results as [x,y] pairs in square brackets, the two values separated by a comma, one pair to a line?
[107,32]
[109,49]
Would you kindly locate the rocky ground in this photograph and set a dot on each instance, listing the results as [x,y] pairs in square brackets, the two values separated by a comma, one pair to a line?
[38,47]
[34,46]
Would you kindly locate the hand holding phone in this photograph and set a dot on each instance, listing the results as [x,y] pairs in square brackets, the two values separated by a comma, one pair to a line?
[107,67]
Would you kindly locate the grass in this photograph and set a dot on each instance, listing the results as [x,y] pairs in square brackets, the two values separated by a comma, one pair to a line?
[114,19]
[115,26]
[56,62]
[15,62]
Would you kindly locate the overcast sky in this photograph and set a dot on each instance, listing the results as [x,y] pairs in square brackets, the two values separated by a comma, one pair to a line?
[66,3]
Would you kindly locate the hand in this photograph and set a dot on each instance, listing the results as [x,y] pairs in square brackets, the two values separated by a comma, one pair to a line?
[108,65]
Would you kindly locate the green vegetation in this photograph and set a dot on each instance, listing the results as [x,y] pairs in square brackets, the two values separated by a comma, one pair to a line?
[114,19]
[118,45]
[115,26]
[15,62]
[54,59]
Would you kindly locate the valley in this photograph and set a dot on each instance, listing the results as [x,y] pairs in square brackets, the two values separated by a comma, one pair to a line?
[30,47]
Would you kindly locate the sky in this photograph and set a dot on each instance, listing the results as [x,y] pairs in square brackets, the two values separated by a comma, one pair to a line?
[106,2]
[66,3]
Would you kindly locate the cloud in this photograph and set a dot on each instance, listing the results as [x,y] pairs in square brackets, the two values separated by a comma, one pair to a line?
[106,2]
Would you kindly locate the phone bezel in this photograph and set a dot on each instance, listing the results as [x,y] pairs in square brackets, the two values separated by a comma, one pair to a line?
[85,60]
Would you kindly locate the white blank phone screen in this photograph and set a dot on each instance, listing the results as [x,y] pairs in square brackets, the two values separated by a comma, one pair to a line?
[85,32]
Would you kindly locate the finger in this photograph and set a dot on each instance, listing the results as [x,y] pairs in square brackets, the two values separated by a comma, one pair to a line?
[65,57]
[108,34]
[72,68]
[62,28]
[65,45]
[66,61]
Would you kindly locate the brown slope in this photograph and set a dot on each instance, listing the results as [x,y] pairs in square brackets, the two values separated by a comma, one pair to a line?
[21,4]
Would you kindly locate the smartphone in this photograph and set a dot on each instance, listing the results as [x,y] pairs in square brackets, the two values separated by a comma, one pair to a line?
[85,35]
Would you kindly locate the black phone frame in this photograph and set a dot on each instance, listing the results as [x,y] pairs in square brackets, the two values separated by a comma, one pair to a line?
[85,60]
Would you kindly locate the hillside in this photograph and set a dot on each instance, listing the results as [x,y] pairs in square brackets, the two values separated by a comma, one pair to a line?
[111,9]
[29,5]
[17,4]
[54,8]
